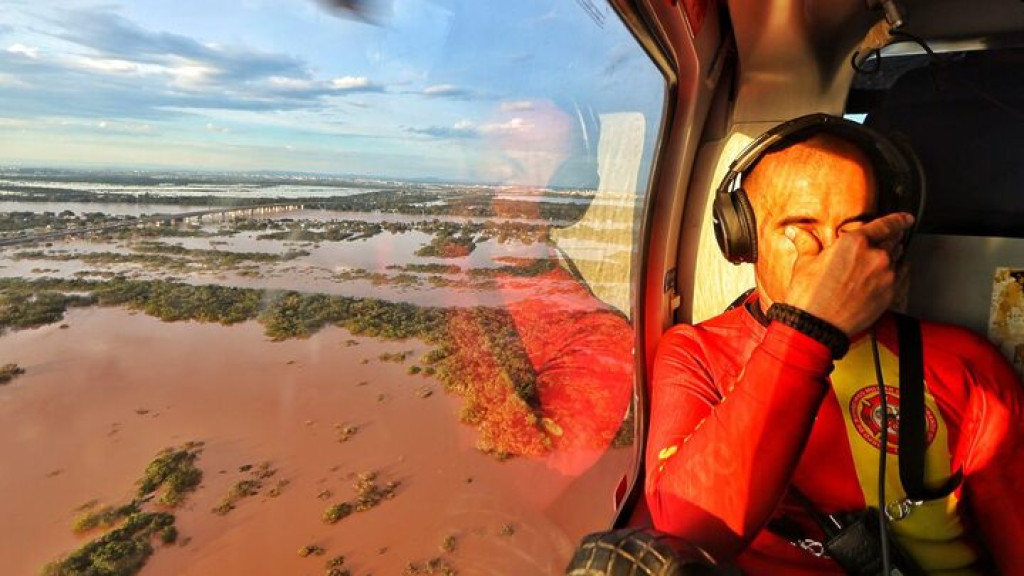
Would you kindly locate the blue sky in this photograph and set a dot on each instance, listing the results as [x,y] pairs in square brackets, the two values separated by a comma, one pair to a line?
[457,90]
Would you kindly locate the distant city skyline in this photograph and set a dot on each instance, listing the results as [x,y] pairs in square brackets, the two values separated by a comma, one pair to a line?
[67,171]
[439,89]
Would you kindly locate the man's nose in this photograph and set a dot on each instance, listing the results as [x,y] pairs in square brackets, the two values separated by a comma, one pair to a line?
[827,236]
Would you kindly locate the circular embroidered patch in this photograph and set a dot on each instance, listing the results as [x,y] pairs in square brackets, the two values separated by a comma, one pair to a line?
[866,414]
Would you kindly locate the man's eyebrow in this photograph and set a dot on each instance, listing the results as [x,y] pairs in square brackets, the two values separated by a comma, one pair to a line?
[807,219]
[797,219]
[862,217]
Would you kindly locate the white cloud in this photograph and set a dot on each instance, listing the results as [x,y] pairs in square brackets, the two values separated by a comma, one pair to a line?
[191,75]
[469,129]
[513,126]
[106,65]
[350,83]
[442,90]
[11,81]
[287,83]
[160,73]
[109,126]
[461,129]
[211,127]
[183,73]
[517,106]
[27,51]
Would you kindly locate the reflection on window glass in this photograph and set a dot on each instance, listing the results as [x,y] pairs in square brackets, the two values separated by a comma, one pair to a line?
[309,287]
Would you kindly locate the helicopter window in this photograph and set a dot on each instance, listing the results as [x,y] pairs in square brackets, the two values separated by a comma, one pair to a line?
[309,286]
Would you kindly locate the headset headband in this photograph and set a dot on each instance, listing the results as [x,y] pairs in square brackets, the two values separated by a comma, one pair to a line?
[898,175]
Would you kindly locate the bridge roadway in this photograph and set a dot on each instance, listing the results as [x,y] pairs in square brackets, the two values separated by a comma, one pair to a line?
[161,219]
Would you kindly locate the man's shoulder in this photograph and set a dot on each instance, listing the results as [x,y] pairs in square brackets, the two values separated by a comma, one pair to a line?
[725,325]
[954,349]
[729,330]
[956,343]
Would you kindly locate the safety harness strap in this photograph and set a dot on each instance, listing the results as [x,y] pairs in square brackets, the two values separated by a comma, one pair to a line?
[912,430]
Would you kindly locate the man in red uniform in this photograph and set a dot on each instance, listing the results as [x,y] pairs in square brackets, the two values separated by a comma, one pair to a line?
[748,404]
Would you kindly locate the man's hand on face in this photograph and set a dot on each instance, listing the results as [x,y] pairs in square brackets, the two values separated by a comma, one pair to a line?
[852,281]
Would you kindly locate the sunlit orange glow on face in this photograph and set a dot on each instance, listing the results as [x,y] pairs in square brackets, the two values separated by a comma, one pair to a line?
[821,187]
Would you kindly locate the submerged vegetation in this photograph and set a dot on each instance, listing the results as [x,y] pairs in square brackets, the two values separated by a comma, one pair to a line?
[336,512]
[369,494]
[430,268]
[250,486]
[456,238]
[173,473]
[9,372]
[436,566]
[151,254]
[332,231]
[32,308]
[120,552]
[284,314]
[525,267]
[104,517]
[448,245]
[124,550]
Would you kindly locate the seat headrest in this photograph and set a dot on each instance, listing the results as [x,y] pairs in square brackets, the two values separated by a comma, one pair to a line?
[965,120]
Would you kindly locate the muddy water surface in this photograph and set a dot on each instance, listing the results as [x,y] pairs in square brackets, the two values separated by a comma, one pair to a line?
[104,395]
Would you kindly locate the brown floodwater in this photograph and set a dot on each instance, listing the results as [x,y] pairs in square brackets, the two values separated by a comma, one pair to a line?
[103,396]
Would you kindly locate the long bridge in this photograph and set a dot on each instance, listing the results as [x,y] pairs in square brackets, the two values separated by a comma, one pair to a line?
[222,214]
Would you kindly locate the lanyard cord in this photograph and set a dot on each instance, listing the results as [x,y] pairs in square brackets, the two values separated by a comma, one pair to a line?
[882,452]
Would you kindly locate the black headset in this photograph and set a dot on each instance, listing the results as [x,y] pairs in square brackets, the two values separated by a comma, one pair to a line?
[898,175]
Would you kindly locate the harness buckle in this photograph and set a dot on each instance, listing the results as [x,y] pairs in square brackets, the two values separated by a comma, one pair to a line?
[899,509]
[812,547]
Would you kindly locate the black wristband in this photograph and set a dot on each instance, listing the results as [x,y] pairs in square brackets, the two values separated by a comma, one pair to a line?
[835,339]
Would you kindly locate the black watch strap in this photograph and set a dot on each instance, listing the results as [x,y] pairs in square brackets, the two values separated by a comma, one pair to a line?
[835,339]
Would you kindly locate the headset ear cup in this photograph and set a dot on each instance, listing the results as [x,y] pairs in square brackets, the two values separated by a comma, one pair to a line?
[726,225]
[734,221]
[748,223]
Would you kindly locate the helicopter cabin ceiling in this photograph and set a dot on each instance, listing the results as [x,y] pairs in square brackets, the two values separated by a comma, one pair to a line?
[794,55]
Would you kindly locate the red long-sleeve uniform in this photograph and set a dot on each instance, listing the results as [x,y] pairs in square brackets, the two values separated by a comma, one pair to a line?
[741,410]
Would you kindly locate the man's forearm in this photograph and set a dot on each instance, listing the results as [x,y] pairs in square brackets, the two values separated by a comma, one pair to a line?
[722,468]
